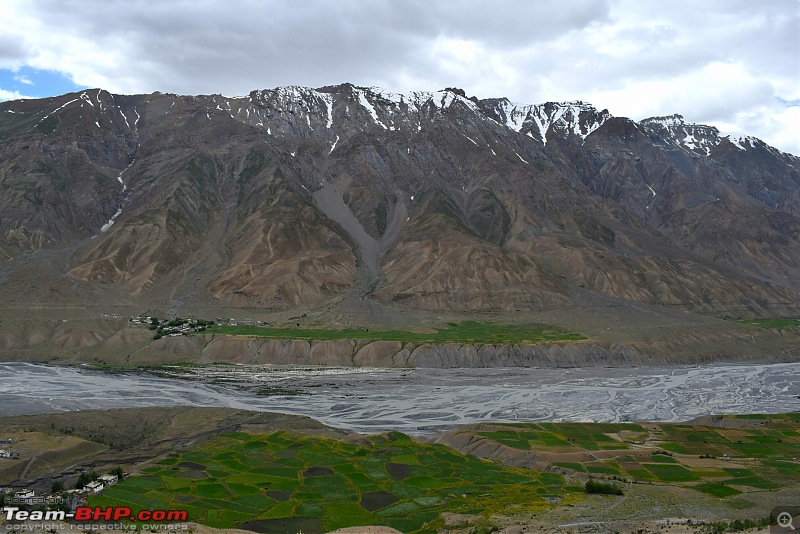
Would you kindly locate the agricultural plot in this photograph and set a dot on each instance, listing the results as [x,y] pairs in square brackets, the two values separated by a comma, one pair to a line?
[776,323]
[756,453]
[565,437]
[280,482]
[463,332]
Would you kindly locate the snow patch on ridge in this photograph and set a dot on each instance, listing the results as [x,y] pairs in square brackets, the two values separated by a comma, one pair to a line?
[58,108]
[700,138]
[366,104]
[114,217]
[572,118]
[111,221]
[520,157]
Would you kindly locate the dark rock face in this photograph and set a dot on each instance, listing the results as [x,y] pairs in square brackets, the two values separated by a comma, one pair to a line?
[292,197]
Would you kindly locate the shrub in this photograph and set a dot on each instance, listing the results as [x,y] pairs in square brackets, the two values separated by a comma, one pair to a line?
[85,478]
[604,488]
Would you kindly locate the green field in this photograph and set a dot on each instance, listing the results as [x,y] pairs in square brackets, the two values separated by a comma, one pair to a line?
[716,489]
[291,483]
[564,437]
[281,482]
[463,332]
[671,473]
[776,323]
[718,461]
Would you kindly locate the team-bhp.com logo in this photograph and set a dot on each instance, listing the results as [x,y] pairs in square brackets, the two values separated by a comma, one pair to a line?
[96,513]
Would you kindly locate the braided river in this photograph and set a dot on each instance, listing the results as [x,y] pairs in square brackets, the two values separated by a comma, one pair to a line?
[415,401]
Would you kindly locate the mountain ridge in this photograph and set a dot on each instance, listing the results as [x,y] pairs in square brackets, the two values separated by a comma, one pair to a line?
[295,197]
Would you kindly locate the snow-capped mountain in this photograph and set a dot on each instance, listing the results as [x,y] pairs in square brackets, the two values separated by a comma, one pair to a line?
[291,197]
[700,138]
[561,119]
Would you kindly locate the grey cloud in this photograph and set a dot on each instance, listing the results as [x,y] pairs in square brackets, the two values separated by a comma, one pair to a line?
[192,46]
[514,23]
[12,52]
[527,50]
[708,105]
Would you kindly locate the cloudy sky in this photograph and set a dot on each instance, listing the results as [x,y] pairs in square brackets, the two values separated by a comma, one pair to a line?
[731,63]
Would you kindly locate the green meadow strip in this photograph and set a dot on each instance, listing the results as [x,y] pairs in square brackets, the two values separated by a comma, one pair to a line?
[463,332]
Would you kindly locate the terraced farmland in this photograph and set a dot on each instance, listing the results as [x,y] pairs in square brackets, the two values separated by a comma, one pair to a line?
[734,455]
[566,437]
[463,332]
[280,482]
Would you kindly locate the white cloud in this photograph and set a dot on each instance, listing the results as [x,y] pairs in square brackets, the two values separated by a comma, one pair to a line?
[11,95]
[23,79]
[720,61]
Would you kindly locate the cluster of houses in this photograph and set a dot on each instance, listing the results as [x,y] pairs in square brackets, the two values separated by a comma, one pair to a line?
[142,320]
[73,497]
[179,327]
[5,449]
[100,484]
[26,496]
[233,321]
[170,327]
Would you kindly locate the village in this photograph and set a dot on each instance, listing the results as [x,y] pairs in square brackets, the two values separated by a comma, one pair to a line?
[178,326]
[171,327]
[6,452]
[59,497]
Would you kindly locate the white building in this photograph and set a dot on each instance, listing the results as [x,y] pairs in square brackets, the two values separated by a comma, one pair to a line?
[94,487]
[108,480]
[24,493]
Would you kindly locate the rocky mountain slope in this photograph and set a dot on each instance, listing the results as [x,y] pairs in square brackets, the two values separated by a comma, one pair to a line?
[296,198]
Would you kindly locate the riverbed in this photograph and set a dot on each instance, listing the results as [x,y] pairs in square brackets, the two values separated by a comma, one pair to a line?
[416,401]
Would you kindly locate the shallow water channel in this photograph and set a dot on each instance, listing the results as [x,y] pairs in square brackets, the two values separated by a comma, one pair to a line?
[415,401]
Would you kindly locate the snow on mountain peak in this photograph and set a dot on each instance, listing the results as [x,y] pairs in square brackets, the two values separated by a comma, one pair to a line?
[283,110]
[384,108]
[697,138]
[576,118]
[667,121]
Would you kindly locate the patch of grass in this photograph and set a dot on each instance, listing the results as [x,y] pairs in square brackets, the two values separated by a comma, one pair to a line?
[715,489]
[775,323]
[571,465]
[602,470]
[754,482]
[641,474]
[784,467]
[756,450]
[562,437]
[740,504]
[738,472]
[771,441]
[280,479]
[463,332]
[662,459]
[671,473]
[675,447]
[146,483]
[211,490]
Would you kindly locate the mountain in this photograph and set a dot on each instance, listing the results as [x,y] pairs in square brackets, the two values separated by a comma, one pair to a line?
[303,199]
